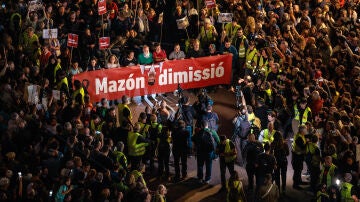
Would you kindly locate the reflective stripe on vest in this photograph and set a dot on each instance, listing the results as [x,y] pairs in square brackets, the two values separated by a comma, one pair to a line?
[228,151]
[304,116]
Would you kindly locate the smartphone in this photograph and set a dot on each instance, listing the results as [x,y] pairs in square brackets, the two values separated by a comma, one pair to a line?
[50,193]
[19,174]
[97,132]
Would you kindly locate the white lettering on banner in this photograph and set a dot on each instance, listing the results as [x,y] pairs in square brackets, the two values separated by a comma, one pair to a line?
[170,77]
[112,86]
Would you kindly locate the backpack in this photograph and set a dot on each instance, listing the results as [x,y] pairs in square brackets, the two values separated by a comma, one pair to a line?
[242,127]
[234,194]
[208,144]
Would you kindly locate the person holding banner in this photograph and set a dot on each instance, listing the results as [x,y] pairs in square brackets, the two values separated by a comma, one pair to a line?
[145,57]
[177,54]
[93,65]
[129,60]
[159,55]
[195,51]
[112,62]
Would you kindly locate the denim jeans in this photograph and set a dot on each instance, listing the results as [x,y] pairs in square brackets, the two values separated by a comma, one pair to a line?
[207,160]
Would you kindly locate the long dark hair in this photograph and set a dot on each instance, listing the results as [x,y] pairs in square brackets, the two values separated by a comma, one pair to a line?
[278,140]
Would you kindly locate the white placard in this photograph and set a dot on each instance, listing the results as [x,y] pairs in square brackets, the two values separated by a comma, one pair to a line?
[44,103]
[225,17]
[33,94]
[50,33]
[56,94]
[182,23]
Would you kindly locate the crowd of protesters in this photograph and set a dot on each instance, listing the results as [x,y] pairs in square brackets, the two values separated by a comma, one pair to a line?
[295,66]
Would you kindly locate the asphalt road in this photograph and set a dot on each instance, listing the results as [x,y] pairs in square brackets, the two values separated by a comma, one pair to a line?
[189,189]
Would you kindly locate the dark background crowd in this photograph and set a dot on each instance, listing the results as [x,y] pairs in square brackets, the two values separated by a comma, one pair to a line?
[290,58]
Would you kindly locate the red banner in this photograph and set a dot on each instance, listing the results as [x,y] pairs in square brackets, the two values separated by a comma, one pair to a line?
[161,78]
[72,40]
[210,3]
[101,7]
[104,43]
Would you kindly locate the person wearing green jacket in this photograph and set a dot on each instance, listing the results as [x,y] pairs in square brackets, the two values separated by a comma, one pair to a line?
[136,146]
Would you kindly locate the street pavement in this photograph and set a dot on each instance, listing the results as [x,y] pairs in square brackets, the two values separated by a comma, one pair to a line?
[190,189]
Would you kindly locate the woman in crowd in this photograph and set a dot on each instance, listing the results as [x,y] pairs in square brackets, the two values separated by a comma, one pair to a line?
[112,62]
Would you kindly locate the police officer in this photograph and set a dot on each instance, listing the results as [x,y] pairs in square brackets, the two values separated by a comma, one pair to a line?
[227,152]
[298,155]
